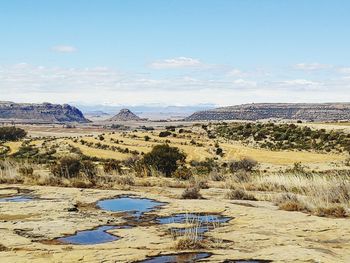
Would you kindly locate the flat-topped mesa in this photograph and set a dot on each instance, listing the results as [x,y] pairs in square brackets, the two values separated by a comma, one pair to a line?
[40,113]
[125,115]
[285,111]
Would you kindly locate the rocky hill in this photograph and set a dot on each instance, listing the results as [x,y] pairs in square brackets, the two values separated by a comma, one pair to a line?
[125,115]
[288,111]
[40,113]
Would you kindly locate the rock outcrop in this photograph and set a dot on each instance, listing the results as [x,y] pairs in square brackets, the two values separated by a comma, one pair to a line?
[287,111]
[125,115]
[40,113]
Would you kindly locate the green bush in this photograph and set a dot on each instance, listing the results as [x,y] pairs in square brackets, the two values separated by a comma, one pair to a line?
[204,167]
[164,133]
[164,158]
[11,133]
[285,136]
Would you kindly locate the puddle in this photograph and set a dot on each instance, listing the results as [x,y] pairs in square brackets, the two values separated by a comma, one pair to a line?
[199,223]
[90,237]
[133,205]
[19,198]
[177,258]
[194,218]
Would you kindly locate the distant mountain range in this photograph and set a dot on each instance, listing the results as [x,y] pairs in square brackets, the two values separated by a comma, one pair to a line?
[146,111]
[40,113]
[55,113]
[287,111]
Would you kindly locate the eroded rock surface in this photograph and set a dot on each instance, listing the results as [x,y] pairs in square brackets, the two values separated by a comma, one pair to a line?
[255,232]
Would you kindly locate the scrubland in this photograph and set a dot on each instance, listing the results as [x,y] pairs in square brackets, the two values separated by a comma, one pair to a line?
[287,190]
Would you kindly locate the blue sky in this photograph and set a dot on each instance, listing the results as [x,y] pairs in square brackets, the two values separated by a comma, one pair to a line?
[174,52]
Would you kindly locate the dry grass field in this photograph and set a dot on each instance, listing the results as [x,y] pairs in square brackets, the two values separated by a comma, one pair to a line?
[136,141]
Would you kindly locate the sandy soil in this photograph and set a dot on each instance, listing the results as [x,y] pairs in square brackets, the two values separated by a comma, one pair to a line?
[258,229]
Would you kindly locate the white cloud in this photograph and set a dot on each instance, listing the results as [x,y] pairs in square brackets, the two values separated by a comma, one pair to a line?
[299,82]
[244,83]
[176,63]
[311,66]
[345,71]
[64,49]
[26,82]
[234,73]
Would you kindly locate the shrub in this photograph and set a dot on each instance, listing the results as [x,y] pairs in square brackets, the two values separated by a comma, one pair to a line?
[191,193]
[164,133]
[125,180]
[297,168]
[347,162]
[138,166]
[201,184]
[147,138]
[204,167]
[131,161]
[164,158]
[246,164]
[26,170]
[89,169]
[183,173]
[292,206]
[242,176]
[219,152]
[333,211]
[11,133]
[112,166]
[291,202]
[189,242]
[170,128]
[215,175]
[67,167]
[239,194]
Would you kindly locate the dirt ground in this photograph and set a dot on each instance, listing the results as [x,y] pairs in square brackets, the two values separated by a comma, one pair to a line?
[258,229]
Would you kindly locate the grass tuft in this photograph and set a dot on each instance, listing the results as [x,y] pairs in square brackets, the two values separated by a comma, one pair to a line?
[239,194]
[191,193]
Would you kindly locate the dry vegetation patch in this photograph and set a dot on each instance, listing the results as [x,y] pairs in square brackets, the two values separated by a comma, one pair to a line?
[239,194]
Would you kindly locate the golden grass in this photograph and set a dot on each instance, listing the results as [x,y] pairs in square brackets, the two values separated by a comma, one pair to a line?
[322,195]
[193,152]
[99,153]
[139,144]
[130,144]
[237,151]
[14,146]
[232,151]
[345,123]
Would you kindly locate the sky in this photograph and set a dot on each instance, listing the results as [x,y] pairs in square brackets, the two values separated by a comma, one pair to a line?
[174,52]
